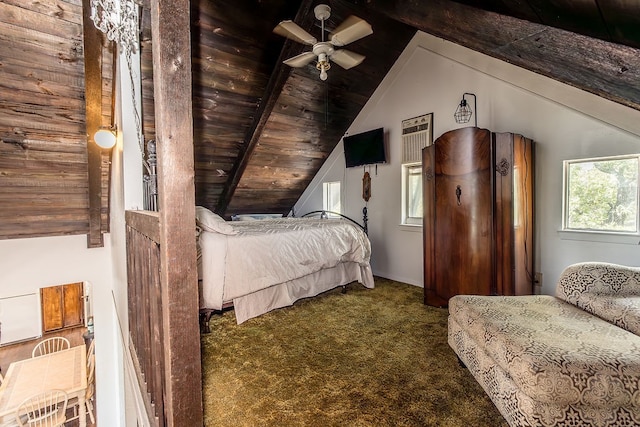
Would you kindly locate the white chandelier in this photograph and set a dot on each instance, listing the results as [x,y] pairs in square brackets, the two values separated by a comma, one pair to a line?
[118,20]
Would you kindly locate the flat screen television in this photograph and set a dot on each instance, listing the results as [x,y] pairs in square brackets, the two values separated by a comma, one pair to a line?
[364,148]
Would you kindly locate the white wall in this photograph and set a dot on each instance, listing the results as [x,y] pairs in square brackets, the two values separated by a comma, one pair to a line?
[126,193]
[430,77]
[30,264]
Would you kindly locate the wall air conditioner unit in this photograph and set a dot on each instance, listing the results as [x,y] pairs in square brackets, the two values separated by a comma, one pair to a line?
[417,133]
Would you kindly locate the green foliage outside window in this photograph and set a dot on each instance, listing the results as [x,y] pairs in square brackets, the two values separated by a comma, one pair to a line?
[414,192]
[602,195]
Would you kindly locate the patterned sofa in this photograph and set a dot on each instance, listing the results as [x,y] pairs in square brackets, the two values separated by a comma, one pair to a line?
[568,360]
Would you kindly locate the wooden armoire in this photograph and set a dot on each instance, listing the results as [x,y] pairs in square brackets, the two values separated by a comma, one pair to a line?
[478,215]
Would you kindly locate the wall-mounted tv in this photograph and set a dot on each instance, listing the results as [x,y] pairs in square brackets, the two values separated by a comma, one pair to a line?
[364,148]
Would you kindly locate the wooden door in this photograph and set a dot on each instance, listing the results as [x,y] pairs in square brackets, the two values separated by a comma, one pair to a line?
[62,306]
[458,225]
[52,315]
[73,304]
[431,295]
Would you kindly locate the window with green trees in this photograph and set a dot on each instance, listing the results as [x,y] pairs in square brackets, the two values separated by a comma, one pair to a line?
[601,194]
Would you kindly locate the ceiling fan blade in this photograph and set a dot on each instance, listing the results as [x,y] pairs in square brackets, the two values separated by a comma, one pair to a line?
[300,60]
[346,59]
[352,29]
[293,31]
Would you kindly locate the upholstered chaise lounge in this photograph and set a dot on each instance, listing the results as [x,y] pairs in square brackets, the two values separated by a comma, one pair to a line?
[568,360]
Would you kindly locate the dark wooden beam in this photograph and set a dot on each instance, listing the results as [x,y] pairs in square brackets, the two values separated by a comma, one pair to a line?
[609,70]
[92,40]
[304,17]
[170,30]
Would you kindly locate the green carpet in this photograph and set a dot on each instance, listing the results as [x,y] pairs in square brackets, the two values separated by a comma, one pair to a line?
[370,357]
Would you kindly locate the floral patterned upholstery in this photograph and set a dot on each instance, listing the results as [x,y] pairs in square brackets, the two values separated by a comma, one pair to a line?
[547,362]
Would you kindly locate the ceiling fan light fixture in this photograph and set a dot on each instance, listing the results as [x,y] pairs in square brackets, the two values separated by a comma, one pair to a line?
[323,65]
[352,29]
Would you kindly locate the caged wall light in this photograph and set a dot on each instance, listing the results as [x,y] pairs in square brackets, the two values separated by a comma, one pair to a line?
[464,112]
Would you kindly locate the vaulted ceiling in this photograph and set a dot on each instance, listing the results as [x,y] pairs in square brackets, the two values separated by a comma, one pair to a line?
[262,129]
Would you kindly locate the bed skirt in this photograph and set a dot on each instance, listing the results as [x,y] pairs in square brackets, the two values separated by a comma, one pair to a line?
[285,294]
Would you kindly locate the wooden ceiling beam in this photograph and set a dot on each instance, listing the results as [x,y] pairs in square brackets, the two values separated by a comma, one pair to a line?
[609,70]
[304,17]
[92,40]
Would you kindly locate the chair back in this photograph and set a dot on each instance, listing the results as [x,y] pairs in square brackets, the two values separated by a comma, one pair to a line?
[91,376]
[46,409]
[50,345]
[92,348]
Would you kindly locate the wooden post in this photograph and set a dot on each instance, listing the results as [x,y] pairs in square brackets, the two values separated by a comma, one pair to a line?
[170,30]
[92,40]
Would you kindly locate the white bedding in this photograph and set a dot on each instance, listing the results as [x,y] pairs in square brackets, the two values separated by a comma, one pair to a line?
[290,255]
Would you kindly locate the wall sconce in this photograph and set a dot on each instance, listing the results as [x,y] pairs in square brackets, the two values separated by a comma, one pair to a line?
[463,112]
[105,137]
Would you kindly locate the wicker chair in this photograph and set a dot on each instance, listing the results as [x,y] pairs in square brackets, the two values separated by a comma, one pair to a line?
[50,345]
[46,409]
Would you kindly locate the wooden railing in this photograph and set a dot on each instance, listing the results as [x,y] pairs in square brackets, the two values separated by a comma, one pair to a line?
[145,309]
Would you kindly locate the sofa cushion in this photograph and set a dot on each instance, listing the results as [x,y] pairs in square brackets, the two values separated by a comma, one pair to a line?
[521,410]
[609,291]
[555,352]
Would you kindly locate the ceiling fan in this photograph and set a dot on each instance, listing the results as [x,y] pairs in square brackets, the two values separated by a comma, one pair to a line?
[352,29]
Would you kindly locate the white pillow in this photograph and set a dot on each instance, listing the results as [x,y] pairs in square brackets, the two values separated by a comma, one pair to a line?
[209,221]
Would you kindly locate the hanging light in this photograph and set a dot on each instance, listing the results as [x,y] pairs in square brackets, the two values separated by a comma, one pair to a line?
[118,20]
[463,112]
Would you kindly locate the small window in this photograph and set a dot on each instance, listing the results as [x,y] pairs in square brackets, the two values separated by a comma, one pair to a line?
[412,194]
[331,197]
[601,195]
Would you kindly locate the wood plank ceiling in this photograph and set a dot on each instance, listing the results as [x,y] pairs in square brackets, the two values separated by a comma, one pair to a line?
[263,130]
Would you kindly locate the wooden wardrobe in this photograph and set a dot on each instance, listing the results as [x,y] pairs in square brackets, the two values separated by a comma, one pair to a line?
[478,215]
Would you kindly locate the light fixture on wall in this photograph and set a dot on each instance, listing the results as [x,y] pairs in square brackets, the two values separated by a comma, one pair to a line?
[105,137]
[120,23]
[464,112]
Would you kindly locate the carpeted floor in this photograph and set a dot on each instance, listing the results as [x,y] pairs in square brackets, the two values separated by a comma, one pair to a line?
[366,358]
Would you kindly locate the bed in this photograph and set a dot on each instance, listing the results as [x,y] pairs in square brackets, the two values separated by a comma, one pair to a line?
[258,266]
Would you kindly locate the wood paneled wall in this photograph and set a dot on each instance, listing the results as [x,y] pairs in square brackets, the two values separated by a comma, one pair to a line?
[43,142]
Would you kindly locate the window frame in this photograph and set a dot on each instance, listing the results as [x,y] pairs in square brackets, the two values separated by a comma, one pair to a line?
[406,174]
[566,230]
[326,194]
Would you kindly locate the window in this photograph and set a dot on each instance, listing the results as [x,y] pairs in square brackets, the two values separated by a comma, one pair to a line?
[331,197]
[601,195]
[412,194]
